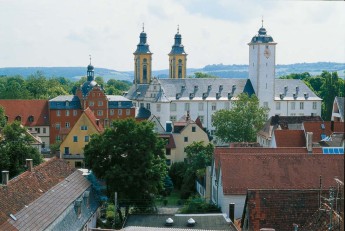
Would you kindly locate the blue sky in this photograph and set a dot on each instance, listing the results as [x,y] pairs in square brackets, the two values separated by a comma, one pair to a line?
[64,33]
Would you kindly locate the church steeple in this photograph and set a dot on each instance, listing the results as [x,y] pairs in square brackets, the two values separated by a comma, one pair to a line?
[142,61]
[177,58]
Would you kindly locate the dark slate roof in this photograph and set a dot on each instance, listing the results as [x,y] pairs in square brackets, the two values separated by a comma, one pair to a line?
[29,186]
[203,222]
[279,209]
[60,102]
[42,212]
[143,113]
[26,108]
[341,104]
[293,85]
[262,37]
[137,91]
[87,86]
[177,48]
[143,47]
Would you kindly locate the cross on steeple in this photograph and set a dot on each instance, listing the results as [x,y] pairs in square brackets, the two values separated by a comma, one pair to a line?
[90,59]
[178,28]
[143,27]
[262,21]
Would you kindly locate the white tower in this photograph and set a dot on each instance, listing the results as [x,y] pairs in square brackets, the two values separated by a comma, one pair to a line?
[262,61]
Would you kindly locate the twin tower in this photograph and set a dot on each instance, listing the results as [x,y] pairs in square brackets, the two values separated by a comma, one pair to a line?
[143,60]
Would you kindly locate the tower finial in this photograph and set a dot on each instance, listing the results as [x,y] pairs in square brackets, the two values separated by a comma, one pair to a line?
[90,59]
[178,28]
[143,27]
[262,21]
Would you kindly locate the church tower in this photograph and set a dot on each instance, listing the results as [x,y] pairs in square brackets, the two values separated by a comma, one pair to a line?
[262,61]
[142,61]
[177,59]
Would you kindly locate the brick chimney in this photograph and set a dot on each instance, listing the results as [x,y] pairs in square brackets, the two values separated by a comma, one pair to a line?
[309,142]
[29,164]
[5,177]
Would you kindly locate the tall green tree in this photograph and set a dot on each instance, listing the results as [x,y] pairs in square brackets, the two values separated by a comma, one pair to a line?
[242,121]
[130,158]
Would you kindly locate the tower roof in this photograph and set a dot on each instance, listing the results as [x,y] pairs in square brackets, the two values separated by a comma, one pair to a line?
[177,48]
[143,47]
[262,36]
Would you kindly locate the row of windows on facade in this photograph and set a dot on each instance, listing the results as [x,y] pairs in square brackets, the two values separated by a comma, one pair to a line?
[293,105]
[173,106]
[38,130]
[75,139]
[19,118]
[68,125]
[99,112]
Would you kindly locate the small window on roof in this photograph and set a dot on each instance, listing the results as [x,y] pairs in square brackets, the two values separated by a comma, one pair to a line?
[31,118]
[18,118]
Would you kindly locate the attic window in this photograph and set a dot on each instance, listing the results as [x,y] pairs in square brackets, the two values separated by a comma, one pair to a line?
[191,95]
[209,87]
[204,95]
[18,118]
[220,87]
[178,95]
[31,118]
[183,88]
[229,95]
[217,95]
[77,207]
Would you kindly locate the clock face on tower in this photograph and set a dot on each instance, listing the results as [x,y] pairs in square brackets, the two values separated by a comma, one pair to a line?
[267,52]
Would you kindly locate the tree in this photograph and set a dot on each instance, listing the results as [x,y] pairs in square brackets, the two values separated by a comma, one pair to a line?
[200,75]
[242,121]
[130,158]
[15,148]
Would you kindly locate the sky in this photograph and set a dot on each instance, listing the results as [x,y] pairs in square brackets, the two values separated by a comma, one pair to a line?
[63,33]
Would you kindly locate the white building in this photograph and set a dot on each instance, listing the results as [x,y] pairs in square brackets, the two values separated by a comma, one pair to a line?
[171,98]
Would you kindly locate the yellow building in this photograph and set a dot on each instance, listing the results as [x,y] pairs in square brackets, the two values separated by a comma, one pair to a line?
[142,61]
[177,59]
[72,147]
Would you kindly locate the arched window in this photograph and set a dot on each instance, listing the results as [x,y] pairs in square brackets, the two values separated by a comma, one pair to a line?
[31,118]
[18,118]
[145,71]
[180,69]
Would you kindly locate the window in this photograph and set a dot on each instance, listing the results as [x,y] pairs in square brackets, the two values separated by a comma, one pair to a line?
[293,105]
[141,104]
[111,111]
[128,112]
[119,112]
[277,105]
[75,112]
[201,119]
[99,112]
[168,151]
[314,105]
[100,103]
[57,126]
[44,130]
[91,103]
[301,105]
[31,119]
[75,138]
[67,124]
[58,138]
[173,118]
[193,129]
[38,130]
[186,139]
[67,113]
[77,164]
[67,103]
[58,113]
[83,127]
[87,138]
[292,114]
[148,106]
[67,150]
[186,106]
[214,106]
[227,105]
[265,104]
[201,106]
[173,107]
[158,107]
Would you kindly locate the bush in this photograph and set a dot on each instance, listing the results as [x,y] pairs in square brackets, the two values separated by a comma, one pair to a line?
[199,205]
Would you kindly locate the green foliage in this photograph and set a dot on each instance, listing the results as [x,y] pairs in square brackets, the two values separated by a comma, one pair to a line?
[130,158]
[176,172]
[2,118]
[199,205]
[200,75]
[242,121]
[300,76]
[15,148]
[168,185]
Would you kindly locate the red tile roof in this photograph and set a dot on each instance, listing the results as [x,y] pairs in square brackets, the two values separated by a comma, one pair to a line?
[290,138]
[29,186]
[280,209]
[315,128]
[93,119]
[272,171]
[260,150]
[25,108]
[170,140]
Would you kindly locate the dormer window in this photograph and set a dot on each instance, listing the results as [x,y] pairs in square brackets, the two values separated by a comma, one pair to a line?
[204,95]
[31,119]
[209,87]
[178,95]
[217,95]
[191,95]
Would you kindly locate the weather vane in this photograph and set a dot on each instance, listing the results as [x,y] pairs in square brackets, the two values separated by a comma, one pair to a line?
[143,27]
[178,28]
[262,21]
[90,59]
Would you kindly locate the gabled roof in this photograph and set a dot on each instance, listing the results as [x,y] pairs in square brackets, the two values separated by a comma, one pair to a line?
[26,108]
[170,138]
[316,129]
[91,116]
[279,209]
[271,171]
[291,85]
[29,186]
[290,138]
[341,104]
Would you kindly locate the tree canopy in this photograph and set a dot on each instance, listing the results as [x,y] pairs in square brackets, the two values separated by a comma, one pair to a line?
[130,158]
[242,121]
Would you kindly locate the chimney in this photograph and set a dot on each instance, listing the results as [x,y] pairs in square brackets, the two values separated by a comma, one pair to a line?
[168,126]
[5,177]
[309,142]
[232,212]
[29,164]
